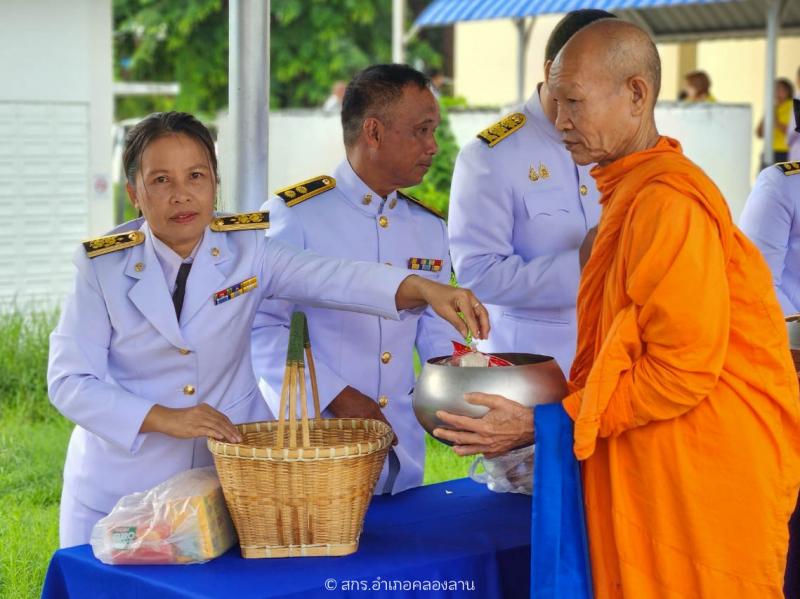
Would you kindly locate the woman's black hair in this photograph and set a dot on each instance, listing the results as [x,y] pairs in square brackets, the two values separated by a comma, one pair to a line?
[164,123]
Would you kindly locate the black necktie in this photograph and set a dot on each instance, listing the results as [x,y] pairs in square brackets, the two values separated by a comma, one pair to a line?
[180,288]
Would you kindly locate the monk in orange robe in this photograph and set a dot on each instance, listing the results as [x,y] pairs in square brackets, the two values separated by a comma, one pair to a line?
[684,395]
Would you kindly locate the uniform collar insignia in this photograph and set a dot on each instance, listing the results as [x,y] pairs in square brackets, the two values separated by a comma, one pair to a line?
[535,174]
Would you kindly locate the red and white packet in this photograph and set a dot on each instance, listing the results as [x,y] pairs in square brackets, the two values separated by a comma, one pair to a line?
[463,355]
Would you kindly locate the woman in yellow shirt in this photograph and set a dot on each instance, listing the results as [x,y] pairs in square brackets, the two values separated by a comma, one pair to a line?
[784,91]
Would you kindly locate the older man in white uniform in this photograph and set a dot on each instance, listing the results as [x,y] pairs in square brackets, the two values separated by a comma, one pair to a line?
[365,363]
[520,209]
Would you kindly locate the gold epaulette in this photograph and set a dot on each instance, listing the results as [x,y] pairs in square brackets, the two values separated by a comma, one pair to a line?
[111,243]
[300,192]
[433,211]
[789,168]
[241,222]
[502,129]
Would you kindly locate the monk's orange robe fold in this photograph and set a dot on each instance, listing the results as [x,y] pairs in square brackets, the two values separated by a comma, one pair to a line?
[687,409]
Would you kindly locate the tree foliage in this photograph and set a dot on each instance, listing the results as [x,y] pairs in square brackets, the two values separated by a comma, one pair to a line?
[313,44]
[163,40]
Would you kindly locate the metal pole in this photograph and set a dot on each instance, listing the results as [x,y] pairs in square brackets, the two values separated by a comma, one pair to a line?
[398,30]
[248,101]
[523,35]
[773,22]
[520,23]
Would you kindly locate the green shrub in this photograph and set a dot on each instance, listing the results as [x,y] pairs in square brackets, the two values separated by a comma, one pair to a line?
[24,343]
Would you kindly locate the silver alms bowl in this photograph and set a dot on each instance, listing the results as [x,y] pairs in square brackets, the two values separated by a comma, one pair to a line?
[533,380]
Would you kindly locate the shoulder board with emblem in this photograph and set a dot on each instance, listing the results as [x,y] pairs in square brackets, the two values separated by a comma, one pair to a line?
[111,243]
[420,204]
[300,192]
[789,168]
[501,129]
[241,222]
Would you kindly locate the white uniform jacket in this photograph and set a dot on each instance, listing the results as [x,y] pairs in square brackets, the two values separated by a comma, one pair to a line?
[771,219]
[369,353]
[118,348]
[519,210]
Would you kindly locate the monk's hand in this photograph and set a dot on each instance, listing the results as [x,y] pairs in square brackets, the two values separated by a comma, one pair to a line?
[505,426]
[351,403]
[447,302]
[186,423]
[586,246]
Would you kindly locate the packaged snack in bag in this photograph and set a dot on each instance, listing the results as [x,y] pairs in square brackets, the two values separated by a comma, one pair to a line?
[468,356]
[183,520]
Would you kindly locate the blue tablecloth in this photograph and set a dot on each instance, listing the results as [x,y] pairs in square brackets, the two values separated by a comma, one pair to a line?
[456,534]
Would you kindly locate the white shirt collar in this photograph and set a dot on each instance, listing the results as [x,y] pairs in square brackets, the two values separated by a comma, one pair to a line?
[356,191]
[170,261]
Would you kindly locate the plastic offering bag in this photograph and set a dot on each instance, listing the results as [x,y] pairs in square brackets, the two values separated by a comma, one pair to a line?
[511,472]
[467,356]
[183,520]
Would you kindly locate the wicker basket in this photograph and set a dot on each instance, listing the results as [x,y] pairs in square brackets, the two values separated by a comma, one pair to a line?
[308,500]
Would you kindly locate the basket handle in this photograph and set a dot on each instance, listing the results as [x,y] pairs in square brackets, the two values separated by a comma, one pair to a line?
[294,377]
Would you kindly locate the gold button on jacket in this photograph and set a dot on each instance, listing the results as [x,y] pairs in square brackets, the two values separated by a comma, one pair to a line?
[383,222]
[386,357]
[188,390]
[383,401]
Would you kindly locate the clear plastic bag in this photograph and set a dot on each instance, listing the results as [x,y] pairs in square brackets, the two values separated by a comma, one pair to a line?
[183,520]
[511,472]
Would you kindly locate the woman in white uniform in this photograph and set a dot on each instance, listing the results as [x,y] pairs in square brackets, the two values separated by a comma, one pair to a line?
[152,351]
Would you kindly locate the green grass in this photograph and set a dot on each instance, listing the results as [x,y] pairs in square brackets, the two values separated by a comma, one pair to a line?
[33,442]
[442,464]
[31,461]
[23,363]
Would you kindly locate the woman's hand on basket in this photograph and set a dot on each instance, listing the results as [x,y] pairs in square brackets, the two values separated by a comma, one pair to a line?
[351,403]
[448,302]
[186,423]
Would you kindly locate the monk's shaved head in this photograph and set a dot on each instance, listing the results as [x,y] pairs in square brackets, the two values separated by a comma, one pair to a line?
[605,82]
[621,48]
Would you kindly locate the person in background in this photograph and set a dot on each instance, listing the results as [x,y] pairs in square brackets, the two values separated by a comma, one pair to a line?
[697,87]
[365,364]
[771,219]
[151,354]
[438,81]
[519,210]
[793,136]
[784,92]
[333,103]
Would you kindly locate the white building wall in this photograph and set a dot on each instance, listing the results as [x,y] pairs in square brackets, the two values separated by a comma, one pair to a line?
[308,143]
[56,111]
